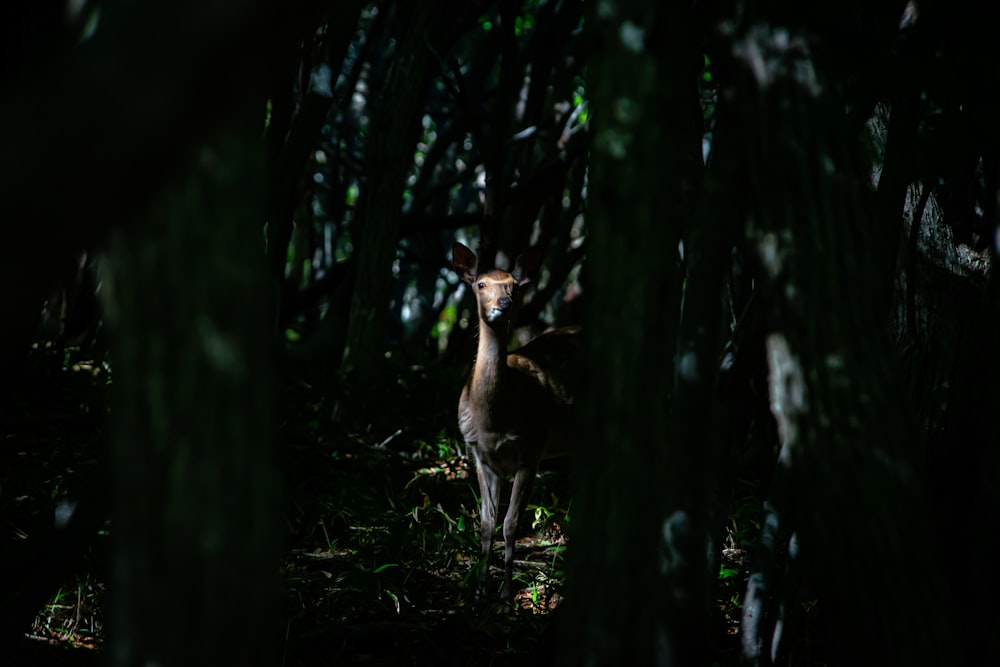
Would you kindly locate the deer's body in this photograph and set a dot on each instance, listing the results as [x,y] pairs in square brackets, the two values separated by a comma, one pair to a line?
[514,409]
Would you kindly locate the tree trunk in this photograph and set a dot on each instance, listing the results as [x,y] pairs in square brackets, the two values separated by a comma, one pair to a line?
[293,139]
[390,156]
[856,503]
[628,596]
[196,522]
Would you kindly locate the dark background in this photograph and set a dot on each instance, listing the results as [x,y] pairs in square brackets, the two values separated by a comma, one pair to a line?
[232,344]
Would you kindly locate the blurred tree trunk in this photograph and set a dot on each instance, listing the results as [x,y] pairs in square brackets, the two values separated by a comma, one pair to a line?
[196,522]
[392,137]
[94,130]
[856,499]
[630,601]
[93,153]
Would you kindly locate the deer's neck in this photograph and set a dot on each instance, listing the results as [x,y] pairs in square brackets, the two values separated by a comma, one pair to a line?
[490,371]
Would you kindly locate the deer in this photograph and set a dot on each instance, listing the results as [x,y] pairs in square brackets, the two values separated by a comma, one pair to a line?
[516,408]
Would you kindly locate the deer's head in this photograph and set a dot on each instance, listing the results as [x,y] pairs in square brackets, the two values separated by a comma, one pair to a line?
[496,291]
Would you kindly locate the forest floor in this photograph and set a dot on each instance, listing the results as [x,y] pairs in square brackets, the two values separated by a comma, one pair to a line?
[382,533]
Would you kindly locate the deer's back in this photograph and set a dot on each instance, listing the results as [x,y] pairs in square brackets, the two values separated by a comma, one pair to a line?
[555,359]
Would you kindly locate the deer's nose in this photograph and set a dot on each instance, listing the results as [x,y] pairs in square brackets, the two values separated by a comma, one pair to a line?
[503,303]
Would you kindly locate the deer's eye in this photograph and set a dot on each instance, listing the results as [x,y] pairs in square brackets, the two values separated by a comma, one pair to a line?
[481,285]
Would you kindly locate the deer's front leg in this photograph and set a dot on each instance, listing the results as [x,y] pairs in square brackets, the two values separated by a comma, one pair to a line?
[523,481]
[489,492]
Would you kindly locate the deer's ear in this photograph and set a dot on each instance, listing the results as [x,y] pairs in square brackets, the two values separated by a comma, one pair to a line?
[527,265]
[464,262]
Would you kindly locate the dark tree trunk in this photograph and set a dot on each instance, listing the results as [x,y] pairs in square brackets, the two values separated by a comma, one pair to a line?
[629,595]
[856,505]
[291,140]
[196,523]
[390,156]
[93,153]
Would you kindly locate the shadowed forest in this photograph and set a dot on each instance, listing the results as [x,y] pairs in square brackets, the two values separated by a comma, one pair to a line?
[253,251]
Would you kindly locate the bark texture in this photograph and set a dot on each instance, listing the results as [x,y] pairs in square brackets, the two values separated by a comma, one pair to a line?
[196,521]
[625,522]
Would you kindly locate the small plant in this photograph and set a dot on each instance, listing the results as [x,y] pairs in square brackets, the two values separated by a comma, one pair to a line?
[72,615]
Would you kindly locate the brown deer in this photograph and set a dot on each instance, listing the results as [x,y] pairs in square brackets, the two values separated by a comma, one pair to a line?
[515,408]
